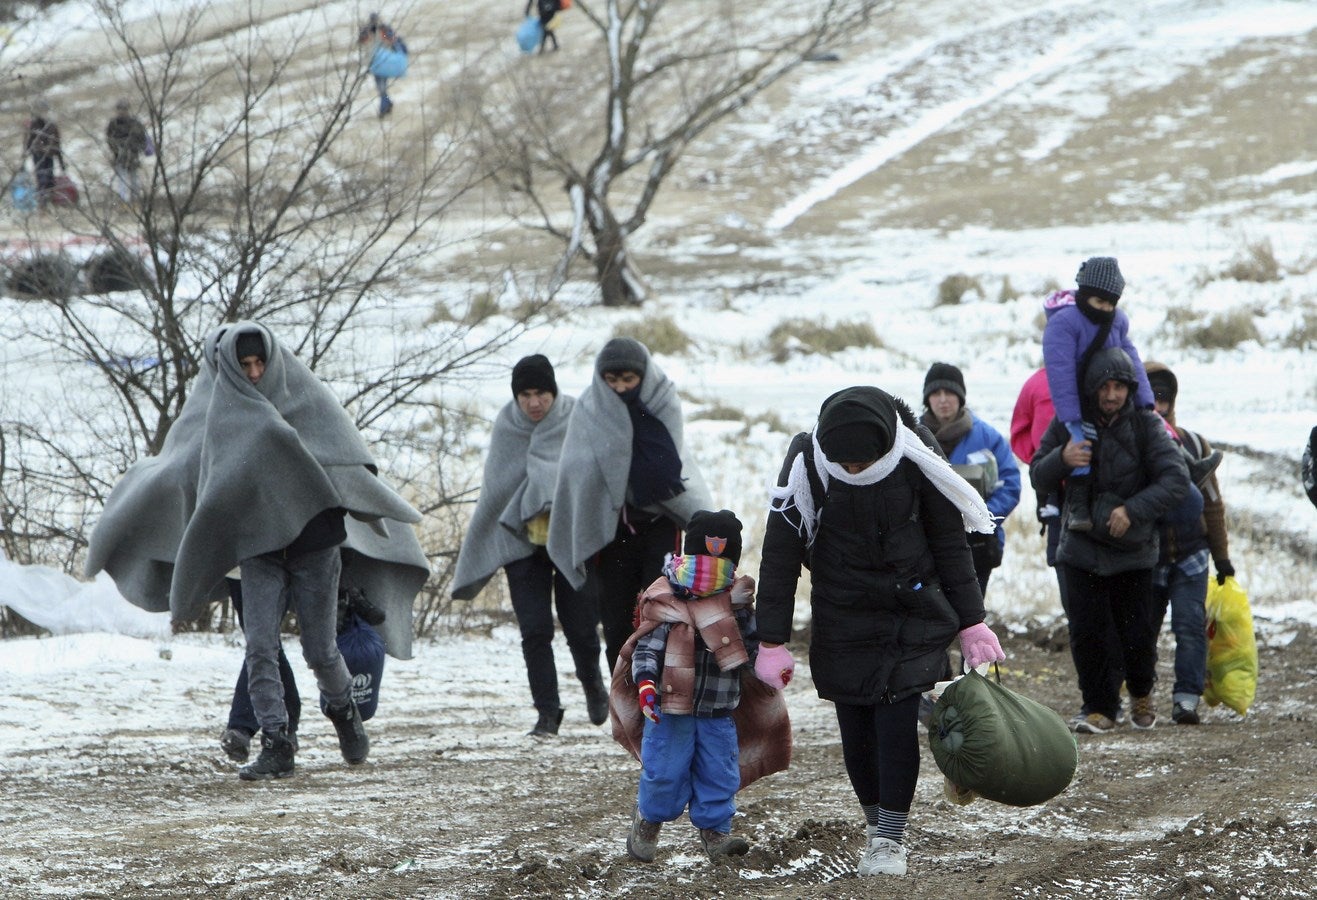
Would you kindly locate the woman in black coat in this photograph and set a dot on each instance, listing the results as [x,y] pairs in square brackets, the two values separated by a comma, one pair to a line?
[879,518]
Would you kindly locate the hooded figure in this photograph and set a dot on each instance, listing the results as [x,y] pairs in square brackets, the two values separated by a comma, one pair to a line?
[508,530]
[241,472]
[626,484]
[880,519]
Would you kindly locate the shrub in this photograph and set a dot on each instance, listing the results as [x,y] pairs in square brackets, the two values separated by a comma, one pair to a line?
[1304,334]
[791,336]
[1007,292]
[954,287]
[49,276]
[115,270]
[661,334]
[1257,263]
[1224,331]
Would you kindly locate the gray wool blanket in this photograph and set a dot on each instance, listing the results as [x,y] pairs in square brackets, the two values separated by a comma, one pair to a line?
[596,462]
[520,472]
[242,471]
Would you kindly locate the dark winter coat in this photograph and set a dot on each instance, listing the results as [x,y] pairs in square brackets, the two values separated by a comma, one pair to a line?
[893,582]
[42,141]
[127,141]
[1133,458]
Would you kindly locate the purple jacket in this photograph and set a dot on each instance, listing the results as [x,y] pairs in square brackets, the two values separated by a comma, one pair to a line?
[1066,337]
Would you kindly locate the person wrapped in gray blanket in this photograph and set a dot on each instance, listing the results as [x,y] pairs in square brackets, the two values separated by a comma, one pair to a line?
[259,471]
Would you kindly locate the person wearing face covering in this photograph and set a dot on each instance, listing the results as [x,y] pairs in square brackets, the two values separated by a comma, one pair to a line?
[626,486]
[880,519]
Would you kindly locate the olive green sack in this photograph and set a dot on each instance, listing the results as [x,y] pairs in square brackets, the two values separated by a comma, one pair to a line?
[1001,745]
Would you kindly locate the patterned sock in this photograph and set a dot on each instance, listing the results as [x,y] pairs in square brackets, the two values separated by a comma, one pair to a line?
[871,814]
[891,825]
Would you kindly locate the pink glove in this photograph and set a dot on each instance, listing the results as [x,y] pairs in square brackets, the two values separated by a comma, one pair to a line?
[774,666]
[647,694]
[979,645]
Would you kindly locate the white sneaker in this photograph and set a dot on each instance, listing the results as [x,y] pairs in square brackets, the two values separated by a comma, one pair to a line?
[883,857]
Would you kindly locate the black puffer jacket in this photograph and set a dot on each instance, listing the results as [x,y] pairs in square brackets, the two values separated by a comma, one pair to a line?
[1134,458]
[893,582]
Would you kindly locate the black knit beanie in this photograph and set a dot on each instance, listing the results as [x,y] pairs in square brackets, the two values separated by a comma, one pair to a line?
[533,373]
[1099,276]
[622,355]
[944,376]
[250,343]
[1165,386]
[857,425]
[714,534]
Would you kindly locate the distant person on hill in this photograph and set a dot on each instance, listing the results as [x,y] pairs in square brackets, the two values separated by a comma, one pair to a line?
[546,9]
[1079,325]
[627,485]
[127,140]
[967,440]
[880,519]
[375,34]
[509,530]
[1191,534]
[1310,454]
[41,141]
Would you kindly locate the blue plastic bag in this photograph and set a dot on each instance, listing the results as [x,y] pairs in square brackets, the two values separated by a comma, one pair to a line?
[24,192]
[530,34]
[363,651]
[389,62]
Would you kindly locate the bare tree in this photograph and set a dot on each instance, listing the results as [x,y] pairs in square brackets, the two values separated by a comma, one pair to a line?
[658,90]
[273,195]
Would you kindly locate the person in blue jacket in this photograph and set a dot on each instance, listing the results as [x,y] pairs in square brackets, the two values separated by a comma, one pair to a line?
[969,441]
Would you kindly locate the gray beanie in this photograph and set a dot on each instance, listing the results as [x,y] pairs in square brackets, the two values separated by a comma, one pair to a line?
[1100,275]
[623,355]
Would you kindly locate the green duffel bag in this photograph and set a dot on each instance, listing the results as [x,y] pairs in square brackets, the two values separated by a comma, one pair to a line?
[1001,745]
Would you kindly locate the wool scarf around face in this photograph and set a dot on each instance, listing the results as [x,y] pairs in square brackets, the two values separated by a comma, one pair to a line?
[655,463]
[698,575]
[949,434]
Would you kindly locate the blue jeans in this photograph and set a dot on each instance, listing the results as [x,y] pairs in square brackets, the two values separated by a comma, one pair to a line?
[311,580]
[1077,434]
[690,761]
[1186,595]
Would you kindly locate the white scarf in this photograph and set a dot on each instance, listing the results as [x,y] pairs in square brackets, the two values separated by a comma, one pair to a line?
[906,444]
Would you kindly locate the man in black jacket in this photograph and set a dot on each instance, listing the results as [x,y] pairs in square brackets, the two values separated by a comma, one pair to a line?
[1139,475]
[126,138]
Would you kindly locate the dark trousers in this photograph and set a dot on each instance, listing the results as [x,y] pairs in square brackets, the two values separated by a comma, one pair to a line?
[1103,608]
[880,744]
[625,568]
[241,714]
[536,587]
[45,166]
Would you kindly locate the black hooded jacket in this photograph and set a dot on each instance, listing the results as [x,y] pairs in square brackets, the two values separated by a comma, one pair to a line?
[892,576]
[1133,458]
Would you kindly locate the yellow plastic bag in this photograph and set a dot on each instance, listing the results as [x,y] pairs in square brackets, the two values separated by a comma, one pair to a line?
[1232,654]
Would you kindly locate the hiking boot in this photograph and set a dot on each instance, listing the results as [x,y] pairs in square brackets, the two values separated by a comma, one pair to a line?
[1091,723]
[236,744]
[1200,469]
[275,761]
[596,700]
[642,839]
[883,856]
[352,739]
[718,844]
[547,724]
[1185,714]
[1142,715]
[1077,504]
[386,106]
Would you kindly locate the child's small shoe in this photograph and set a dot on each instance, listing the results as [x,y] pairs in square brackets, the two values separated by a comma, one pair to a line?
[642,839]
[1077,499]
[1200,469]
[718,844]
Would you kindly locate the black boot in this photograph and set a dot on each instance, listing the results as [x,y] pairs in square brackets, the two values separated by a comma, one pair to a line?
[352,739]
[275,761]
[596,699]
[1077,503]
[547,724]
[236,744]
[1200,469]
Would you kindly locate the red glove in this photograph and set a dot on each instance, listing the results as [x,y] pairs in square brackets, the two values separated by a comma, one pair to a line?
[774,666]
[649,701]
